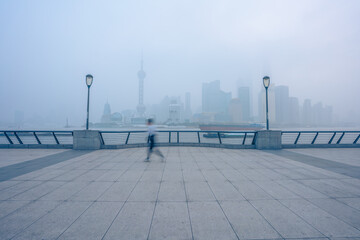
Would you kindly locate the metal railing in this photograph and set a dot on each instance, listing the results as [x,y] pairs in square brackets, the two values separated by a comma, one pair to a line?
[168,138]
[233,139]
[36,137]
[328,138]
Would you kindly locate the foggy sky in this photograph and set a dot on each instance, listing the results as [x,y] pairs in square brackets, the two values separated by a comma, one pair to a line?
[47,48]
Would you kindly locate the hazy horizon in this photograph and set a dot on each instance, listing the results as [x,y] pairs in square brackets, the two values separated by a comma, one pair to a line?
[48,47]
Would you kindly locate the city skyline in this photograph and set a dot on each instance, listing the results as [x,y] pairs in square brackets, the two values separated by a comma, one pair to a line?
[280,114]
[48,48]
[255,115]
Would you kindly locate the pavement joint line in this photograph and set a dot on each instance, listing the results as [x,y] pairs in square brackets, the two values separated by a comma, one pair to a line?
[19,181]
[126,200]
[354,209]
[61,202]
[278,200]
[49,193]
[42,182]
[248,200]
[31,201]
[157,198]
[315,206]
[296,214]
[84,158]
[93,201]
[89,182]
[117,155]
[86,171]
[352,184]
[24,190]
[329,197]
[47,212]
[186,196]
[213,165]
[333,166]
[217,201]
[25,167]
[306,199]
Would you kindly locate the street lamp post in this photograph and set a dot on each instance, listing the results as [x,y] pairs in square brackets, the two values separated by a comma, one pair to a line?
[266,81]
[89,80]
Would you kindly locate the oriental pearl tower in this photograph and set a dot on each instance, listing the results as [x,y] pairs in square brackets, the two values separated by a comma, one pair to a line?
[141,107]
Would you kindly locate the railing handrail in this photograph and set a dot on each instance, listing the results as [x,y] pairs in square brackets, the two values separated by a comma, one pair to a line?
[36,134]
[221,131]
[328,142]
[219,138]
[38,131]
[140,131]
[325,131]
[290,138]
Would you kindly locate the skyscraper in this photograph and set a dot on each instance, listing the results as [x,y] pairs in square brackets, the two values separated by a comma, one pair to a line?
[106,117]
[235,110]
[188,111]
[317,117]
[328,112]
[307,113]
[294,111]
[244,97]
[282,104]
[174,111]
[215,101]
[141,107]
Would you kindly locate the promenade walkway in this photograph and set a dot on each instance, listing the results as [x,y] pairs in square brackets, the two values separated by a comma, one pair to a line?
[197,193]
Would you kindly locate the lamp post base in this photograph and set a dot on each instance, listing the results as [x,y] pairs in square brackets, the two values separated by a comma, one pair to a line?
[86,140]
[268,139]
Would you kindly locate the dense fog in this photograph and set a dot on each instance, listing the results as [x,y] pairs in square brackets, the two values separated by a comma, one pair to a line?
[48,47]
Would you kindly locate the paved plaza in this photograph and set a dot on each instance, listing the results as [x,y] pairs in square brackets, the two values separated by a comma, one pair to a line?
[196,193]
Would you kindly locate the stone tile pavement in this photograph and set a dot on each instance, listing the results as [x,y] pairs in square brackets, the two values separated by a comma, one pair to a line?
[197,193]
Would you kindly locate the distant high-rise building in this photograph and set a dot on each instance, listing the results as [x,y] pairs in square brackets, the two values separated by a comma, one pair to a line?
[106,117]
[282,104]
[328,115]
[244,98]
[174,111]
[141,107]
[235,110]
[160,111]
[128,114]
[323,114]
[317,116]
[169,110]
[188,111]
[107,109]
[215,101]
[307,113]
[294,111]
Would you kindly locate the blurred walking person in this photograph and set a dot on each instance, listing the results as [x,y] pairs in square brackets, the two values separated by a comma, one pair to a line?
[151,141]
